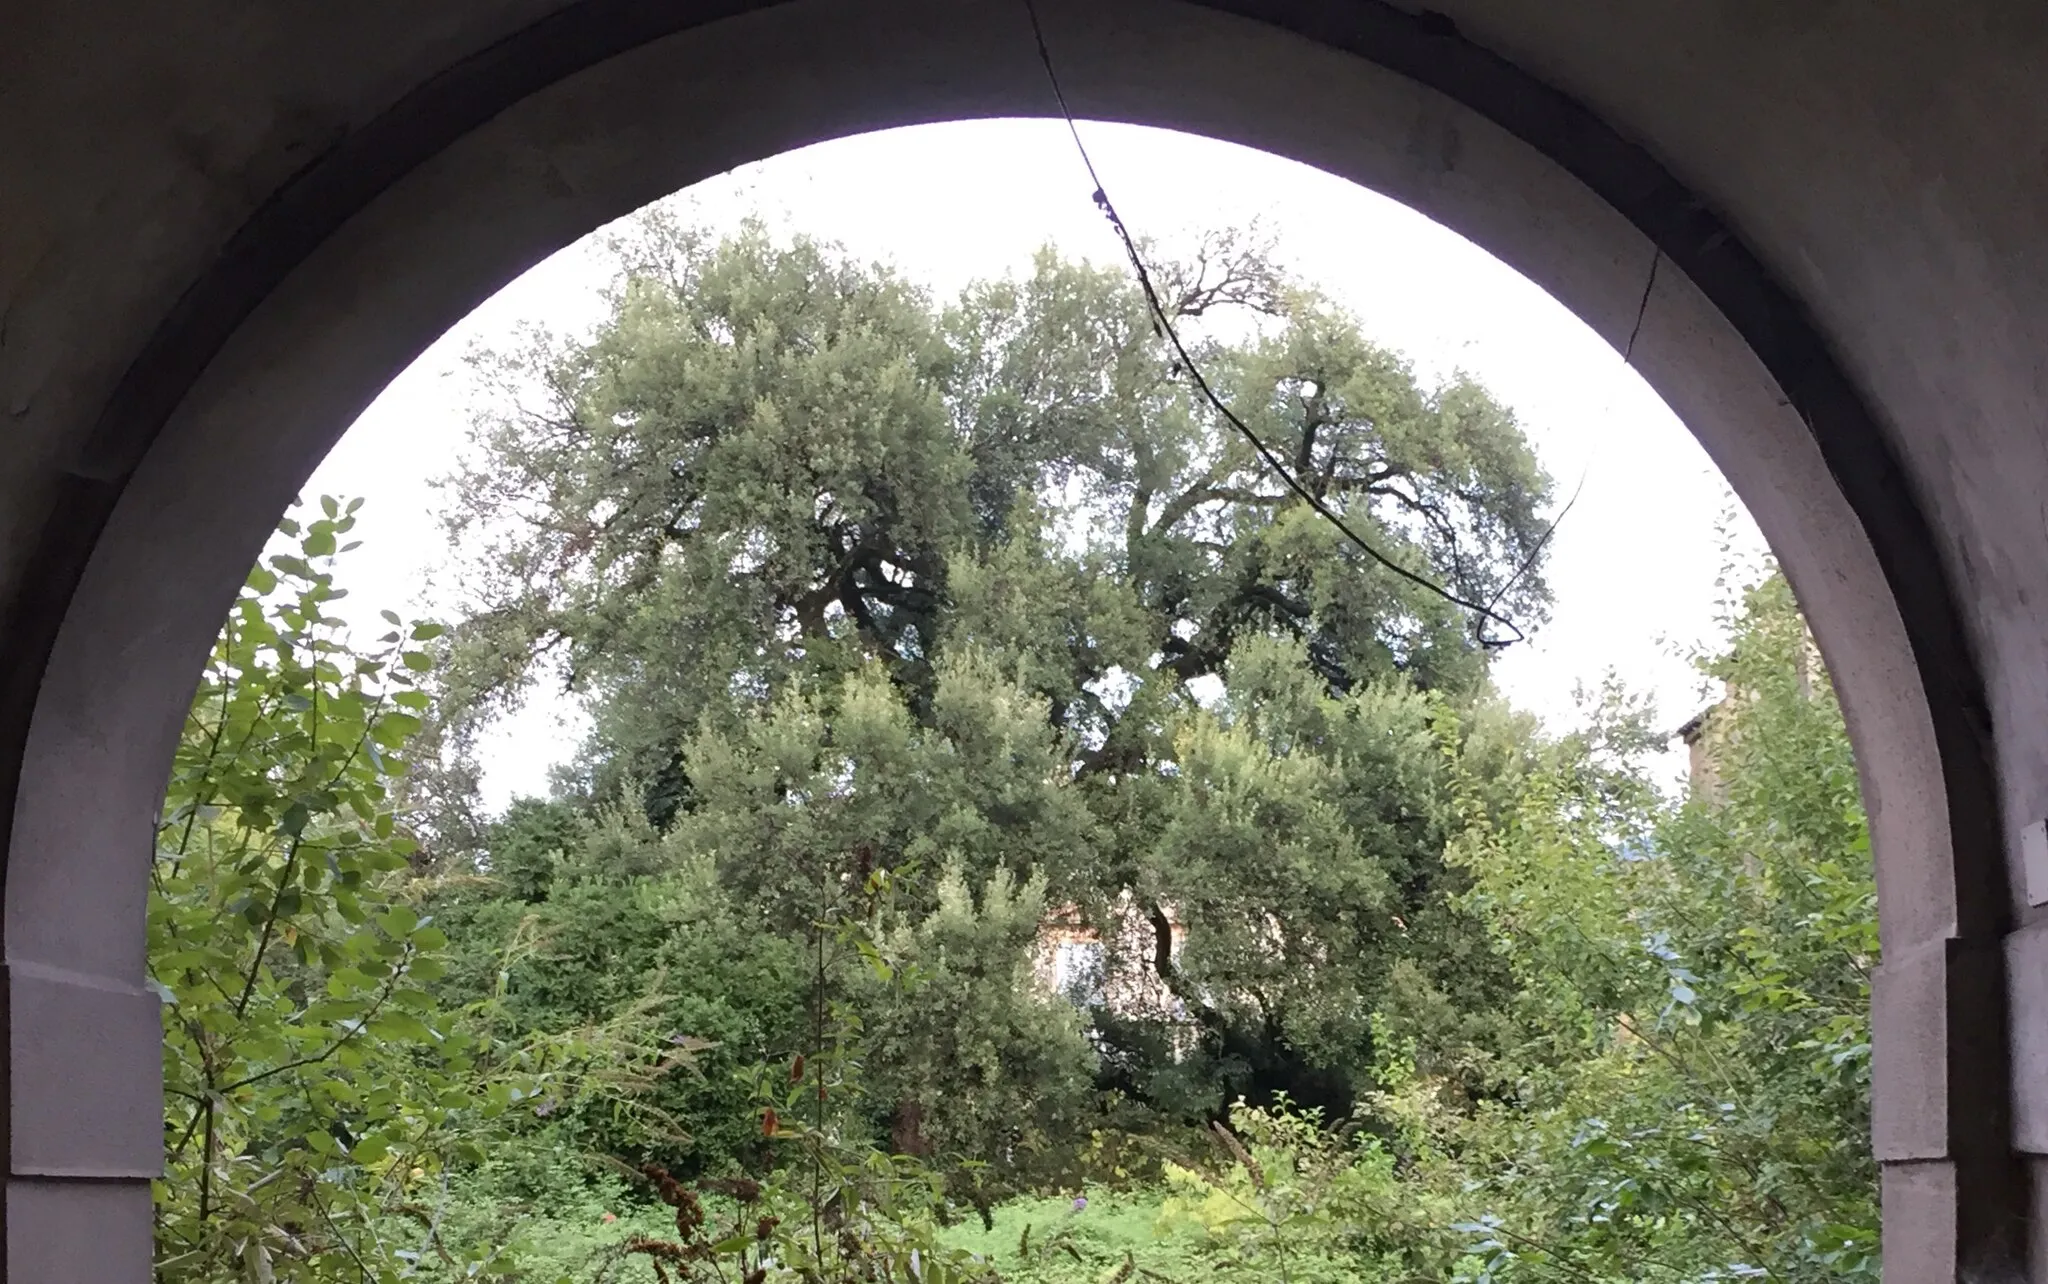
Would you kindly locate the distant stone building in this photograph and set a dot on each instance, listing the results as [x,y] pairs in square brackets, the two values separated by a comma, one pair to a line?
[1700,735]
[1707,732]
[1072,960]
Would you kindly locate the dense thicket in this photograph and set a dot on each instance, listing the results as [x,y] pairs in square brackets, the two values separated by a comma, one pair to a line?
[915,639]
[1675,1088]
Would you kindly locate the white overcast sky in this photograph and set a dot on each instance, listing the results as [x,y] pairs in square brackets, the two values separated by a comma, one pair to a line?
[1633,567]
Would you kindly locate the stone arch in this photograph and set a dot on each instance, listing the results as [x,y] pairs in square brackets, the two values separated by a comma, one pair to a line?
[406,222]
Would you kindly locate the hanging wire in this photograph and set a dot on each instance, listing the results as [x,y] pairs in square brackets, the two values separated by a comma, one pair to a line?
[1162,321]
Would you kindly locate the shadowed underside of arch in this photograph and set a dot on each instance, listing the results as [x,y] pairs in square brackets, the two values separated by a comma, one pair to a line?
[232,233]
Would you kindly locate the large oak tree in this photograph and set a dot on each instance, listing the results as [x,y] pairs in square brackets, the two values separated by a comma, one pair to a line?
[987,589]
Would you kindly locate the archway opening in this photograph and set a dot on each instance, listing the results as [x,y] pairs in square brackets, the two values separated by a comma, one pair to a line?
[631,416]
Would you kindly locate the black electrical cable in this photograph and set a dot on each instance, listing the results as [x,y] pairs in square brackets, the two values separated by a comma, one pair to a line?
[1164,324]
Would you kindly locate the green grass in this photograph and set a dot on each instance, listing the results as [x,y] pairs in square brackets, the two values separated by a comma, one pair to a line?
[1069,1247]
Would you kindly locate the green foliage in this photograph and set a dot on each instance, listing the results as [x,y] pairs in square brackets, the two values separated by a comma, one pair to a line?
[911,633]
[319,1097]
[839,568]
[834,1206]
[1692,1095]
[636,936]
[1062,1239]
[1299,1202]
[979,1063]
[1681,1080]
[314,1088]
[529,844]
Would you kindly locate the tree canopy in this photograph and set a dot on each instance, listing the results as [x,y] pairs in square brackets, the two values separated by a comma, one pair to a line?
[986,589]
